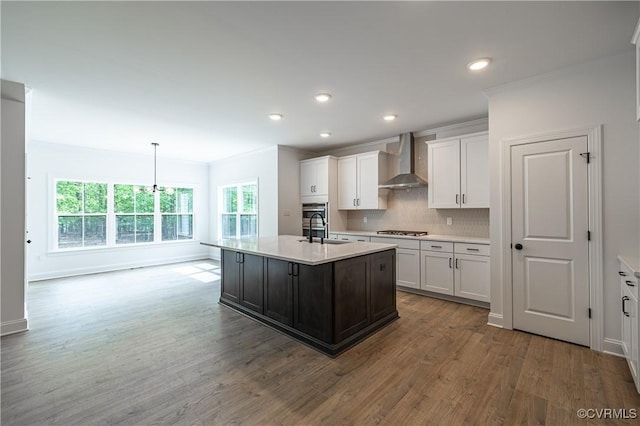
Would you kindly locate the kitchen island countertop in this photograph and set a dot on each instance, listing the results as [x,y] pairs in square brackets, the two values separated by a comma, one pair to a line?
[291,248]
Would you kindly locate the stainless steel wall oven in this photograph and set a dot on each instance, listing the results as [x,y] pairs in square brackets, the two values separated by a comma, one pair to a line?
[312,222]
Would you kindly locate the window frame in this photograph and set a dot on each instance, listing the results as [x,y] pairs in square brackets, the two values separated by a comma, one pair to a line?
[238,213]
[111,216]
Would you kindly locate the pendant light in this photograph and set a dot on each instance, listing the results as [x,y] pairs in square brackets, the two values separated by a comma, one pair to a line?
[155,186]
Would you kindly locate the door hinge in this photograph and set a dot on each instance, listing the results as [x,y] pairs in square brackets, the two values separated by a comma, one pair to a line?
[588,235]
[586,155]
[589,312]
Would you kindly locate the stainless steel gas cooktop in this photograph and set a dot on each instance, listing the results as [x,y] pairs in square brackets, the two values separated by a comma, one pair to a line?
[408,233]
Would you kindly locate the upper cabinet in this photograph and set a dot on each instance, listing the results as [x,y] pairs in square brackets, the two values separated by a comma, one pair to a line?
[458,170]
[358,179]
[636,41]
[316,176]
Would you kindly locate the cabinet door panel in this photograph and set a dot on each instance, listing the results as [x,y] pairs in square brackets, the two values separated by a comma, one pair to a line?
[472,277]
[312,304]
[437,274]
[307,177]
[252,282]
[351,296]
[347,181]
[322,177]
[368,182]
[474,172]
[230,285]
[383,290]
[408,268]
[278,297]
[444,175]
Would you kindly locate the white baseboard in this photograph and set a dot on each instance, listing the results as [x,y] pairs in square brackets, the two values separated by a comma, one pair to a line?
[113,267]
[612,347]
[14,326]
[495,320]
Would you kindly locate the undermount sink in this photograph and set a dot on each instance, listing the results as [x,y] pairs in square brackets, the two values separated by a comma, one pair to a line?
[326,241]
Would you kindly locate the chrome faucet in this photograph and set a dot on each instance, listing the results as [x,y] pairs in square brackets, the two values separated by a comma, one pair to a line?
[324,224]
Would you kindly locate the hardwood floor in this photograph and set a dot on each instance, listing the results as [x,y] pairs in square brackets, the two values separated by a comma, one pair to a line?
[153,346]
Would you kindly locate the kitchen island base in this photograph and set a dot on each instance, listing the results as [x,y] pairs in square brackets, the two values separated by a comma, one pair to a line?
[330,306]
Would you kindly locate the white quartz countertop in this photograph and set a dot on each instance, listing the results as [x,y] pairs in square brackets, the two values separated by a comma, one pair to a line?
[290,248]
[632,263]
[451,238]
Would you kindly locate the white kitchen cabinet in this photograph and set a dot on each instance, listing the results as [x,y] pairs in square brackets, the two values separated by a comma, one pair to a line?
[458,170]
[630,320]
[316,175]
[358,179]
[407,260]
[456,269]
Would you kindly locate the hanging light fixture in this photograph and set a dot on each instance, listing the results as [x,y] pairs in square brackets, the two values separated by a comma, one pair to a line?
[155,186]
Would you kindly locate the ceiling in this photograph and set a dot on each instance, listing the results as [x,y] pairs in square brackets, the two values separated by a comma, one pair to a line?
[201,78]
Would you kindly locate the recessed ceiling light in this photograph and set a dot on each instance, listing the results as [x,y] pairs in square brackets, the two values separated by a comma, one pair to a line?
[323,97]
[275,116]
[325,134]
[479,64]
[390,117]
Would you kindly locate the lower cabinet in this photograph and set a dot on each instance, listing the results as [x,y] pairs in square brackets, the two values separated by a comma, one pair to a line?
[629,315]
[407,260]
[243,280]
[455,269]
[329,306]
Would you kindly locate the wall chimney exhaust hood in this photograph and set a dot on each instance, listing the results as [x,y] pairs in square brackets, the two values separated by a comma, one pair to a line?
[406,177]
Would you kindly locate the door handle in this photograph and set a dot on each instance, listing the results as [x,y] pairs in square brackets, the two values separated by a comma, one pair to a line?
[518,246]
[457,264]
[630,283]
[28,241]
[358,202]
[457,196]
[624,299]
[296,269]
[289,268]
[449,263]
[463,201]
[354,201]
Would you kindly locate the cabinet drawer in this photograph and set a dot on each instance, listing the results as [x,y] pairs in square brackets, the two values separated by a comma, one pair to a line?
[443,246]
[402,243]
[628,279]
[347,237]
[478,249]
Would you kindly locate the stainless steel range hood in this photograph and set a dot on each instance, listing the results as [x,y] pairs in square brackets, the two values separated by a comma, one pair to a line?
[406,177]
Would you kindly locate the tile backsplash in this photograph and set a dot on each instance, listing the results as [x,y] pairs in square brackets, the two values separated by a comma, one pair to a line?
[408,210]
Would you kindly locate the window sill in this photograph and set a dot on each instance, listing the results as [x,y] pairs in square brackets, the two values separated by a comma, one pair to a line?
[123,247]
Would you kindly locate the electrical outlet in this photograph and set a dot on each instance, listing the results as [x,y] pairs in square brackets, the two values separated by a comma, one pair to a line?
[449,221]
[365,219]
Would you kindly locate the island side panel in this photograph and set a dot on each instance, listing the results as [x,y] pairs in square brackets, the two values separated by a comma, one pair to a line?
[351,296]
[383,284]
[312,300]
[278,291]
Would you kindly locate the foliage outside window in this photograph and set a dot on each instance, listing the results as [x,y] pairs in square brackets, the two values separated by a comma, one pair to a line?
[176,208]
[134,208]
[81,214]
[239,210]
[99,214]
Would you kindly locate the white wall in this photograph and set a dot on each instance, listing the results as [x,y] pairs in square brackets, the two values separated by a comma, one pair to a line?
[277,172]
[47,162]
[12,209]
[599,92]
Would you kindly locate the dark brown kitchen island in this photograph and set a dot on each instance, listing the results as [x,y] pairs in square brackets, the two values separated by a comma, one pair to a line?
[328,296]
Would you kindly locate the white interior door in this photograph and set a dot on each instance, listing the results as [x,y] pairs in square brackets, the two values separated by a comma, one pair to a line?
[549,219]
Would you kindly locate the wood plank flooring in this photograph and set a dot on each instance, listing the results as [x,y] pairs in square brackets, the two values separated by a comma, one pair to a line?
[153,346]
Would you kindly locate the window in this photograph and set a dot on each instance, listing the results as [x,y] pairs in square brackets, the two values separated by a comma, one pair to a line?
[90,214]
[176,208]
[81,214]
[238,210]
[134,208]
